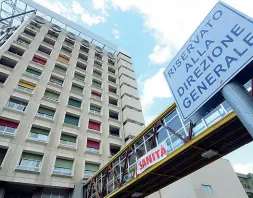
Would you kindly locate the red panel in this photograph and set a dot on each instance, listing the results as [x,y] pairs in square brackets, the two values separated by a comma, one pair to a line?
[8,123]
[38,60]
[94,125]
[93,144]
[96,94]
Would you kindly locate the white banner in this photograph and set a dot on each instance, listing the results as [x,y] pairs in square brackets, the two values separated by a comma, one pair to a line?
[152,157]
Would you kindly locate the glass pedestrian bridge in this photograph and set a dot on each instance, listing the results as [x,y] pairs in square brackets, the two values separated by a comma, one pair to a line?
[188,148]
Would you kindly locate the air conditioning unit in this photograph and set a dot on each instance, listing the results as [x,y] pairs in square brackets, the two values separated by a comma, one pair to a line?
[208,154]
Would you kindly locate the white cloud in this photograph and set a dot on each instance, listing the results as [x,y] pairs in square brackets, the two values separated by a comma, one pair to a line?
[115,33]
[244,168]
[87,17]
[99,4]
[154,87]
[148,119]
[172,22]
[160,54]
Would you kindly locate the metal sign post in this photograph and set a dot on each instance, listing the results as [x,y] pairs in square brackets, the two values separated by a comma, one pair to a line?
[241,102]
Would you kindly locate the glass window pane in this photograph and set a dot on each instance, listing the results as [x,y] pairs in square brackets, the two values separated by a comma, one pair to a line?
[141,151]
[175,124]
[162,135]
[170,116]
[149,143]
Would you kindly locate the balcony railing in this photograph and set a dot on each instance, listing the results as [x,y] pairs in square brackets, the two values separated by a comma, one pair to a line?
[62,171]
[43,115]
[67,143]
[23,42]
[28,164]
[7,130]
[15,106]
[56,83]
[32,74]
[24,89]
[95,111]
[50,98]
[95,97]
[38,137]
[88,174]
[92,150]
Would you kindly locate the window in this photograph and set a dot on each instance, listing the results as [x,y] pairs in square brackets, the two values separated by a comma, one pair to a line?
[8,127]
[95,95]
[97,74]
[84,49]
[83,57]
[68,140]
[56,81]
[114,131]
[66,50]
[63,59]
[29,33]
[113,101]
[46,113]
[96,83]
[90,169]
[94,125]
[44,50]
[72,120]
[52,33]
[39,134]
[114,149]
[49,41]
[25,86]
[112,79]
[30,162]
[60,69]
[97,64]
[3,152]
[51,95]
[79,76]
[111,62]
[77,88]
[74,102]
[111,70]
[23,41]
[93,146]
[36,25]
[8,62]
[63,167]
[95,109]
[17,105]
[39,60]
[98,56]
[113,115]
[207,189]
[32,72]
[81,65]
[69,41]
[112,89]
[16,50]
[3,77]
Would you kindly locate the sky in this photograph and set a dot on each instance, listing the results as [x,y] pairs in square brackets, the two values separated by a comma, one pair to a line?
[151,32]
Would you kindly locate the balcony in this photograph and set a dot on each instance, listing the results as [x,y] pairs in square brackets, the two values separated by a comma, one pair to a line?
[43,115]
[82,57]
[95,97]
[24,89]
[15,106]
[52,34]
[3,78]
[32,74]
[38,137]
[29,33]
[23,42]
[95,111]
[66,50]
[16,51]
[8,62]
[67,143]
[84,49]
[44,50]
[7,130]
[62,171]
[49,41]
[81,66]
[92,150]
[29,165]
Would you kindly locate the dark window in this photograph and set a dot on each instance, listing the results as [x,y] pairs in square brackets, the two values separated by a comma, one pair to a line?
[3,152]
[114,149]
[74,102]
[114,131]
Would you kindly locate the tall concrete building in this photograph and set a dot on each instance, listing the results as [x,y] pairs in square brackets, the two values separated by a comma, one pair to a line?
[247,183]
[67,106]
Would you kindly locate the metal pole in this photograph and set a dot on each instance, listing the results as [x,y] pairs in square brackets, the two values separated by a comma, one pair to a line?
[241,102]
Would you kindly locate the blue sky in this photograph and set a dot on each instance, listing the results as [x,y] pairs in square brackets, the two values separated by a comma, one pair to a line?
[151,31]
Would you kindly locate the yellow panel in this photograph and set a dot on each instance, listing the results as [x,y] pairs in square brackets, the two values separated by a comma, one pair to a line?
[29,86]
[63,59]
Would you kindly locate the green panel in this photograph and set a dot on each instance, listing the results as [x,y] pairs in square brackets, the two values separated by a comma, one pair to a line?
[39,131]
[60,69]
[62,163]
[95,108]
[53,79]
[74,102]
[77,88]
[31,156]
[51,94]
[79,76]
[46,111]
[68,138]
[91,167]
[33,71]
[71,120]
